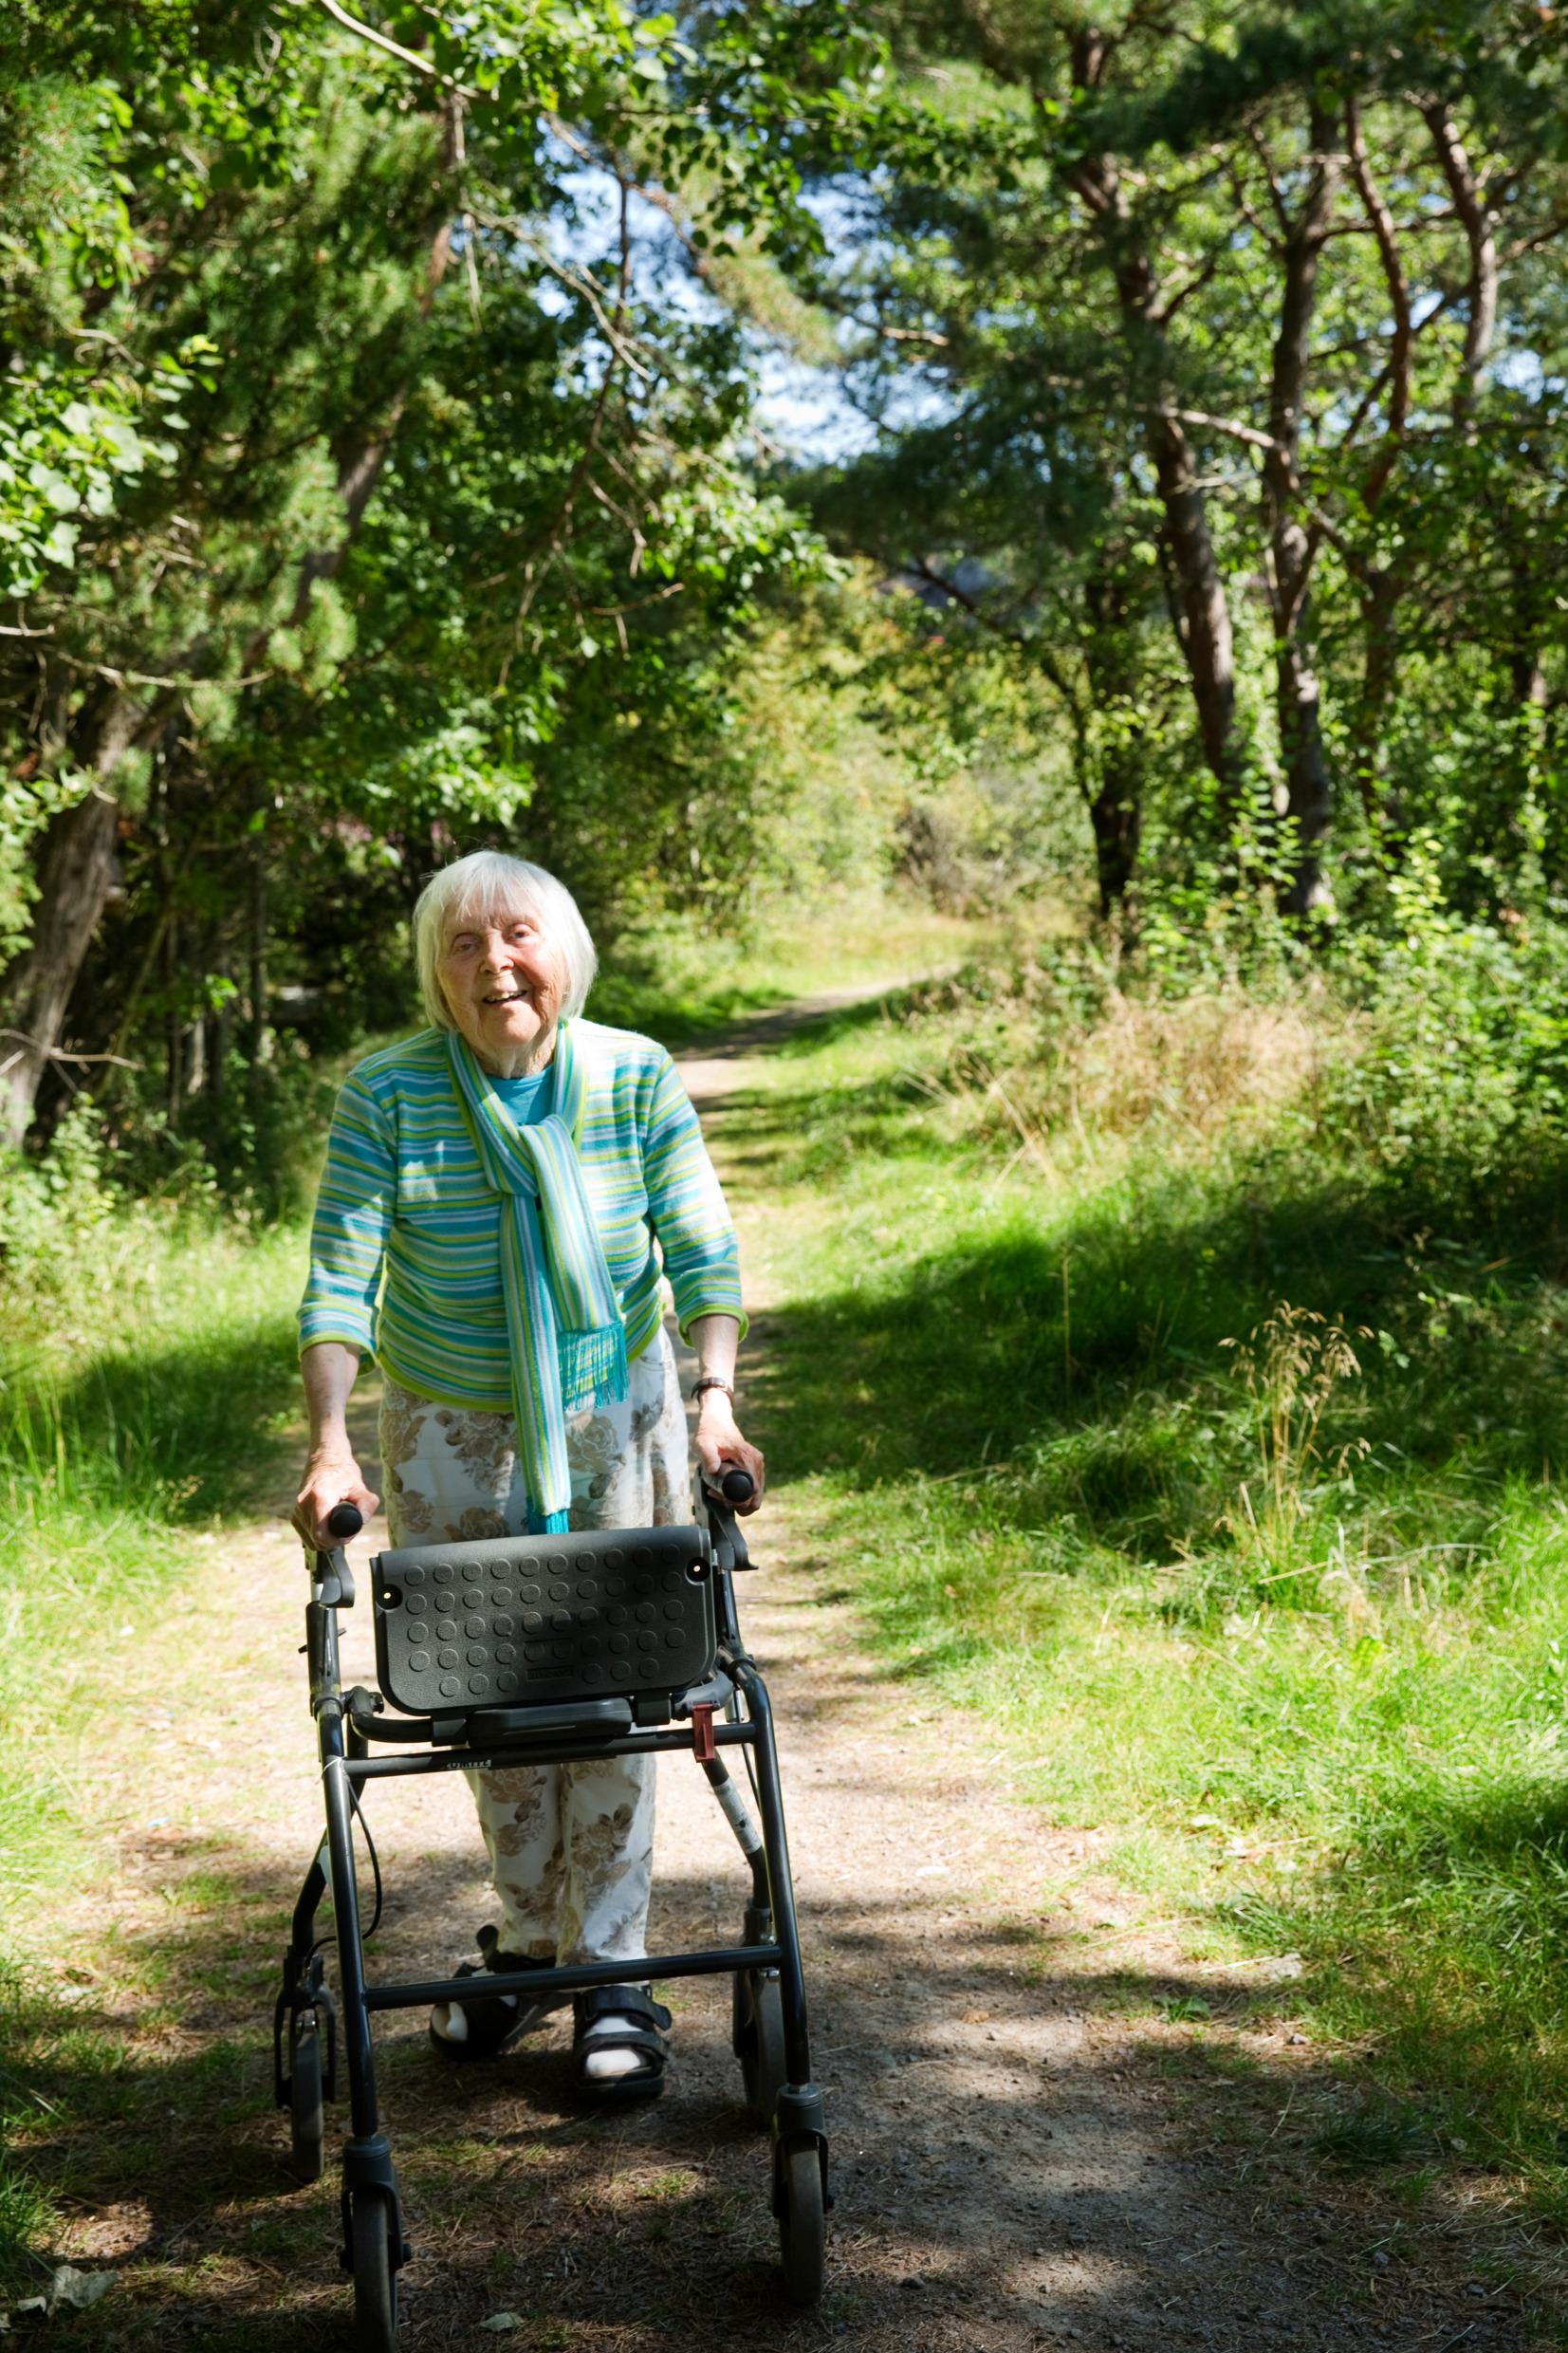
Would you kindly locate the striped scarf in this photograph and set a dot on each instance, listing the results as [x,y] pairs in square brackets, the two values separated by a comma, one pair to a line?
[563,1323]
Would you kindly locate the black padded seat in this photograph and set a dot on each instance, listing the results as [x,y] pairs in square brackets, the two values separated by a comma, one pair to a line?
[534,1621]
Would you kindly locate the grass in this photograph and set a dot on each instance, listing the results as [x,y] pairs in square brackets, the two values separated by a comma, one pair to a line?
[140,1413]
[111,1456]
[1227,1491]
[678,986]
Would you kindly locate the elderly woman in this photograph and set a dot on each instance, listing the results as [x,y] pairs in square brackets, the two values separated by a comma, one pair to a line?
[500,1195]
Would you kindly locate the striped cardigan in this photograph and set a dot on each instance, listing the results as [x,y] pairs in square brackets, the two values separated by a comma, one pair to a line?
[405,1250]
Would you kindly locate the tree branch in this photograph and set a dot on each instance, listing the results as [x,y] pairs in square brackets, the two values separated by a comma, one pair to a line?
[1480,325]
[923,570]
[1402,342]
[1281,211]
[1200,278]
[1531,245]
[355,25]
[555,535]
[1233,429]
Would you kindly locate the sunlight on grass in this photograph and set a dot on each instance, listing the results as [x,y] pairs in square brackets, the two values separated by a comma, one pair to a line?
[677,984]
[1229,1501]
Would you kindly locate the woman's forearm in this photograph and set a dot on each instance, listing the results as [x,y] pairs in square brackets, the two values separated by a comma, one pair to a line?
[329,1371]
[715,1340]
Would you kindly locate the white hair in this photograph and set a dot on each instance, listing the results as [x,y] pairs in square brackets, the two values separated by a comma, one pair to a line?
[487,886]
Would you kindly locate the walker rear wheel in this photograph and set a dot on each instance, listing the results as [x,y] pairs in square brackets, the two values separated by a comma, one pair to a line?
[306,2117]
[802,2224]
[375,2279]
[759,2040]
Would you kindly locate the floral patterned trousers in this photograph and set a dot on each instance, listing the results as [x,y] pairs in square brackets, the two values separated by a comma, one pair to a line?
[570,1845]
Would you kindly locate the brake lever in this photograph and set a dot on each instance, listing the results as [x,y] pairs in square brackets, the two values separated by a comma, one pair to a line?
[332,1568]
[729,1552]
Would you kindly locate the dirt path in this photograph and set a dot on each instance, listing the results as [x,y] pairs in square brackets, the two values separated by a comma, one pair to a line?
[1021,2159]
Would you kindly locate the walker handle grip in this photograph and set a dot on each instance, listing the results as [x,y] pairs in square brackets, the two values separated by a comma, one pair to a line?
[343,1521]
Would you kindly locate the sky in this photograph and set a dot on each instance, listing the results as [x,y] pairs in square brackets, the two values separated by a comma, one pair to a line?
[803,412]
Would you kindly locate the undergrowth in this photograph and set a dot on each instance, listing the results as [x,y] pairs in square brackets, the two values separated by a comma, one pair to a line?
[1206,1438]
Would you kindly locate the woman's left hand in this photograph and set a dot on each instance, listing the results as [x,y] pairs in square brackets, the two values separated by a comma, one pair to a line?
[719,1442]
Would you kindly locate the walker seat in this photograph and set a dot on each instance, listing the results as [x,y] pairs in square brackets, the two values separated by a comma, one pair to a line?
[523,1621]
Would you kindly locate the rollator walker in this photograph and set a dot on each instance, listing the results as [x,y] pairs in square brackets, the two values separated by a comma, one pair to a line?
[537,1650]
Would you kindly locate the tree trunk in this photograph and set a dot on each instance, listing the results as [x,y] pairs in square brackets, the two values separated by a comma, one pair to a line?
[1380,587]
[74,873]
[256,1044]
[1381,594]
[1308,790]
[1115,814]
[1527,678]
[1205,633]
[1481,308]
[1114,767]
[174,1027]
[1205,638]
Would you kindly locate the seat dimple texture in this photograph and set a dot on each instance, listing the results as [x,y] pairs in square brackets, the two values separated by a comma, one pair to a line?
[524,1620]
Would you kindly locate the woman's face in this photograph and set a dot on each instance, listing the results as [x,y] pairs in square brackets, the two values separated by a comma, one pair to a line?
[504,984]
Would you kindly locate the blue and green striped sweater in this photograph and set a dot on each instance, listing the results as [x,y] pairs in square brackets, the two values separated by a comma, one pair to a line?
[402,1197]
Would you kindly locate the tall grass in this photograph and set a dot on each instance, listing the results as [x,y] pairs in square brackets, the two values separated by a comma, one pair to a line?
[1213,1454]
[147,1374]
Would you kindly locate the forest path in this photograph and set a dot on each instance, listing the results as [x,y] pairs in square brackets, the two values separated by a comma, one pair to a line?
[1017,2159]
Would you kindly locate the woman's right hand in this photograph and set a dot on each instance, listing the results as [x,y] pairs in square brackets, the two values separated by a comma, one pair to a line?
[331,1477]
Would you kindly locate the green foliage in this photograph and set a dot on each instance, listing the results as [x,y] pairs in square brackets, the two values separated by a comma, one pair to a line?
[367,502]
[1086,292]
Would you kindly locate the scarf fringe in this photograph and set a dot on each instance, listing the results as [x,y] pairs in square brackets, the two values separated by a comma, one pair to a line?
[593,1367]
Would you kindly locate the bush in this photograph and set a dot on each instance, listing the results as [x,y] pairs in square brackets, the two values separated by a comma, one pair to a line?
[70,1238]
[1426,1060]
[1452,1074]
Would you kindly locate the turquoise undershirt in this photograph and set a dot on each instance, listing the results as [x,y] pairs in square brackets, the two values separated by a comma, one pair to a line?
[527,1100]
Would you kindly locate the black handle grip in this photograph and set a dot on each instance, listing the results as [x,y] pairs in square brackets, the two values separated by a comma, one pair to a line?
[737,1486]
[345,1519]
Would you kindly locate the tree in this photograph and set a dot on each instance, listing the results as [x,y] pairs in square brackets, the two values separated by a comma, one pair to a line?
[301,238]
[1297,368]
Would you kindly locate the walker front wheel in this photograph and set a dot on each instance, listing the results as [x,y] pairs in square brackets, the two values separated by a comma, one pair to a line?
[306,2115]
[802,2224]
[375,2276]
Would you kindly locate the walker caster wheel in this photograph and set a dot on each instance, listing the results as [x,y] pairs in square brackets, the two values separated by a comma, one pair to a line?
[803,2223]
[758,2040]
[375,2272]
[306,2117]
